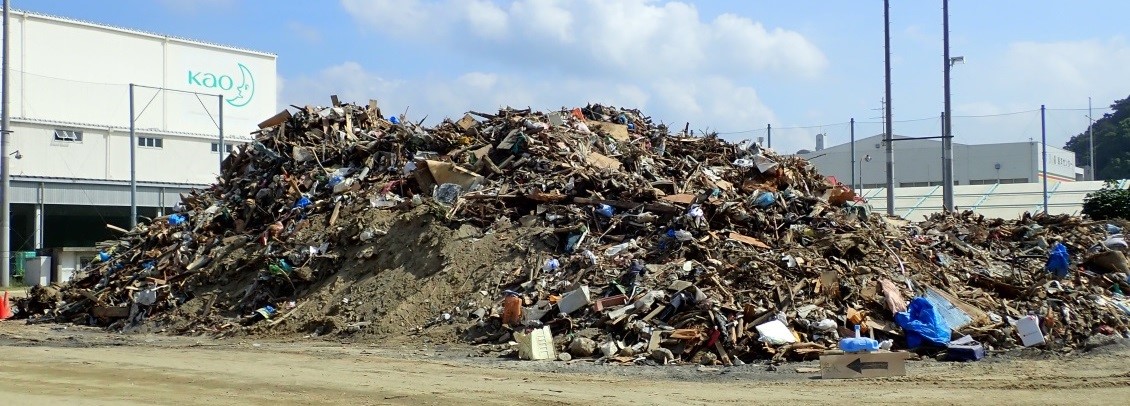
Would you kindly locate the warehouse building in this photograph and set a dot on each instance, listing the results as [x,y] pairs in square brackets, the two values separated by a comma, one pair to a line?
[70,108]
[918,163]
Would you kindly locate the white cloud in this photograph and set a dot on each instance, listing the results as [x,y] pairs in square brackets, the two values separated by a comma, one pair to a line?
[1068,69]
[712,103]
[348,80]
[626,38]
[660,56]
[1059,74]
[304,32]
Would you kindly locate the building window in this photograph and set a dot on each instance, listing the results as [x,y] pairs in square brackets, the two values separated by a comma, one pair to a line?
[150,142]
[68,135]
[216,147]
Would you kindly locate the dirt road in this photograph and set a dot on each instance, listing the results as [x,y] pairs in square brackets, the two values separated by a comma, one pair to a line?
[45,365]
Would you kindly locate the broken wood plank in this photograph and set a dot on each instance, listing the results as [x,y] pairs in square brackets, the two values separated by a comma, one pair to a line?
[288,314]
[116,228]
[747,240]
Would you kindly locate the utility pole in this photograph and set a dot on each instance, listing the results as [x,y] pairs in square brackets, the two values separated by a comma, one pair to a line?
[947,121]
[1044,145]
[852,127]
[889,132]
[769,135]
[1091,136]
[5,172]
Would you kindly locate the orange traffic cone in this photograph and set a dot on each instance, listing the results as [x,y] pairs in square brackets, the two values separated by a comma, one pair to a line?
[5,310]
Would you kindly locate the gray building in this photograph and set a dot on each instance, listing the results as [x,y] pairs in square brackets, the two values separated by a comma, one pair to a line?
[918,163]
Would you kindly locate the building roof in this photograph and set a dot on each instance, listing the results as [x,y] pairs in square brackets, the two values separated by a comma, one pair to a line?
[138,32]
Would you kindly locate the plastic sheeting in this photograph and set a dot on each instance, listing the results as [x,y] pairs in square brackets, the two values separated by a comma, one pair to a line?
[923,325]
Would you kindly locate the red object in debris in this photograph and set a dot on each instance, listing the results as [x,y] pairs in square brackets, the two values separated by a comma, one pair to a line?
[511,310]
[578,114]
[607,302]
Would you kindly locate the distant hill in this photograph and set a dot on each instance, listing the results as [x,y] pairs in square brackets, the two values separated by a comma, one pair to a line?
[1112,143]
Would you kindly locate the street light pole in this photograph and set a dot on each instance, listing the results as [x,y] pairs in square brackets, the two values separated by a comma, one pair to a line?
[889,131]
[5,173]
[947,140]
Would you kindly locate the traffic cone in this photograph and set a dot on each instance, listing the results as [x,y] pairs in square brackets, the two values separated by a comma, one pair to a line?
[5,310]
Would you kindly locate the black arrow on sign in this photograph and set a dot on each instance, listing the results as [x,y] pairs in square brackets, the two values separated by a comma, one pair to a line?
[858,365]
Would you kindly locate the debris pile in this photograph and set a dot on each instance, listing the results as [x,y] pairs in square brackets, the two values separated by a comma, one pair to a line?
[613,237]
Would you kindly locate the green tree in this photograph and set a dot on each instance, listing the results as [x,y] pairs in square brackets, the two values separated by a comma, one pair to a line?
[1112,143]
[1110,202]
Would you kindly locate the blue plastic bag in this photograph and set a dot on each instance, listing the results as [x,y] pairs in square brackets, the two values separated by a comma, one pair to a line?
[1058,261]
[394,120]
[302,202]
[923,325]
[765,199]
[103,256]
[176,219]
[605,210]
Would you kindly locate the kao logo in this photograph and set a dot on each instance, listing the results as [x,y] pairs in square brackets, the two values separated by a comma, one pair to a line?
[244,88]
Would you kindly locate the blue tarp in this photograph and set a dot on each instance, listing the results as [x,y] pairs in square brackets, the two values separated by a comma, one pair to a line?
[1058,261]
[923,325]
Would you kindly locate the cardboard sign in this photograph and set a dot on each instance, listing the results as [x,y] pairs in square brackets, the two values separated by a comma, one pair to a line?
[863,365]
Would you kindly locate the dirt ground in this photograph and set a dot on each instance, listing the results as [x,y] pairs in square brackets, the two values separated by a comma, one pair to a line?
[55,364]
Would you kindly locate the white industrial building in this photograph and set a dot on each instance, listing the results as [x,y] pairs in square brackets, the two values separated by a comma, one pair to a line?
[1007,201]
[70,114]
[918,163]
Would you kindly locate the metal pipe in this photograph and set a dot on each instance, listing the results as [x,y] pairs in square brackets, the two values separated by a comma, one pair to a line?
[887,116]
[947,142]
[852,131]
[5,172]
[132,164]
[223,147]
[1044,145]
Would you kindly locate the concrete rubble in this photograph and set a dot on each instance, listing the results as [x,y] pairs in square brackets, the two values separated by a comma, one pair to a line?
[646,244]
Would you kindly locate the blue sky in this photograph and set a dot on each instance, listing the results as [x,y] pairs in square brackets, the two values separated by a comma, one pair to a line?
[804,66]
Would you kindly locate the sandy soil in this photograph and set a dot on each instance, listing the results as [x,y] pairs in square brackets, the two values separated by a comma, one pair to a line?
[78,366]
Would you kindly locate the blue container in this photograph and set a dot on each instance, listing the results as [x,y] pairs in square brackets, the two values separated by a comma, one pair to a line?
[859,344]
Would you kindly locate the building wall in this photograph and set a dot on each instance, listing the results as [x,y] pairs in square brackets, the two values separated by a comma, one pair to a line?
[70,71]
[918,163]
[73,75]
[104,154]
